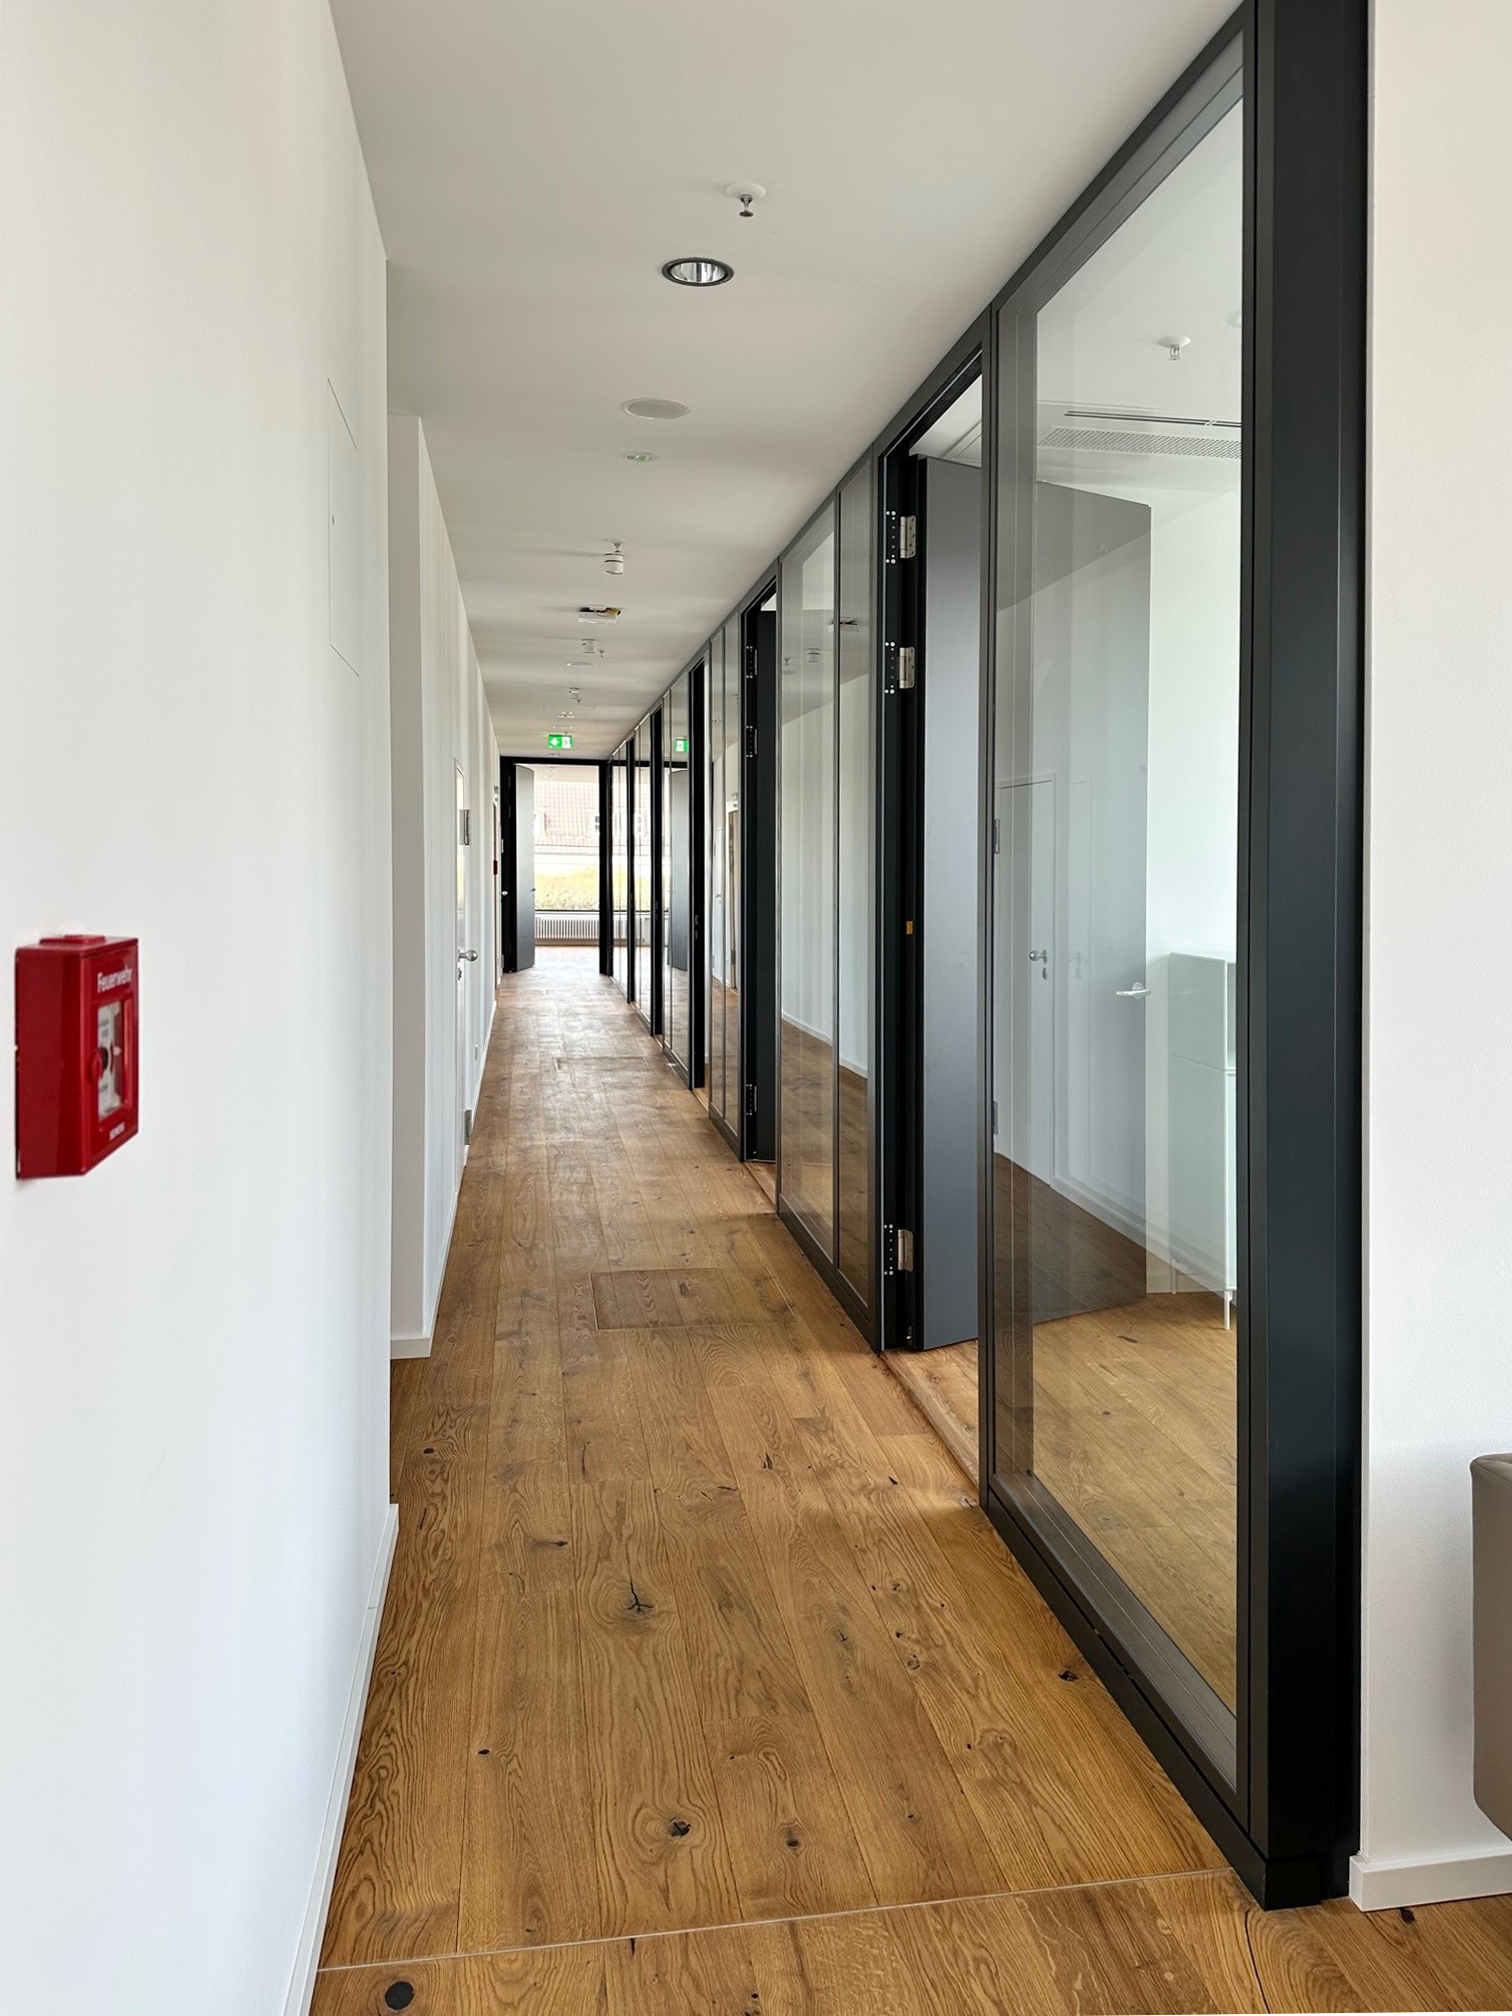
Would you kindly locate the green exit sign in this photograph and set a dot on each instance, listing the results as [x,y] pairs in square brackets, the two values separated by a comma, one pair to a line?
[679,745]
[558,741]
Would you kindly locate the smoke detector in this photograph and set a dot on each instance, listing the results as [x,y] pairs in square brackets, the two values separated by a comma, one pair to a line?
[614,563]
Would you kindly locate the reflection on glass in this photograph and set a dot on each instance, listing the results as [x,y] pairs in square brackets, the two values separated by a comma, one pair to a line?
[728,803]
[642,868]
[716,871]
[1115,925]
[677,744]
[855,960]
[619,859]
[806,697]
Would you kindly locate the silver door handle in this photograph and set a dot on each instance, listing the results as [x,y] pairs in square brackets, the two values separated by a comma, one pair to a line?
[1135,993]
[1034,956]
[467,955]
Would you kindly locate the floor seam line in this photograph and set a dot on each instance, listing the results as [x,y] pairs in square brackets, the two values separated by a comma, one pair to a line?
[792,1918]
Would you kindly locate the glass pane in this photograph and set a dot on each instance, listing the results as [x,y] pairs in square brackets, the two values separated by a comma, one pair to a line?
[716,872]
[1115,925]
[729,801]
[806,698]
[677,744]
[619,858]
[642,842]
[856,539]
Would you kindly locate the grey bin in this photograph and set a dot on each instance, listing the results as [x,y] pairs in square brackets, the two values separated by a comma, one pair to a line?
[1491,1503]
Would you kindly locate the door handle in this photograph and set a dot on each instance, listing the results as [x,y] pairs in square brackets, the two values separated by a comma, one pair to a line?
[467,955]
[1135,993]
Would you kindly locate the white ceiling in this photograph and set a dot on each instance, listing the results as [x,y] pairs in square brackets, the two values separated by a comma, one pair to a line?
[534,162]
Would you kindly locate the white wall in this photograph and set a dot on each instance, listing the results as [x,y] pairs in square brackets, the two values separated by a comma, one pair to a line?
[1439,957]
[194,1362]
[440,721]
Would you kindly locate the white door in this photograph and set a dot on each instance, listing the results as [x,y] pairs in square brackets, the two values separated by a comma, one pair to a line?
[466,958]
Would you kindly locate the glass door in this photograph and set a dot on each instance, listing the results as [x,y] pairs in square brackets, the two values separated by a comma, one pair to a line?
[642,860]
[619,860]
[676,872]
[1115,797]
[806,1039]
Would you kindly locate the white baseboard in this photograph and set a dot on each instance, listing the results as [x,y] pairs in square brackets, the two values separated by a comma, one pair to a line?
[307,1957]
[1386,1886]
[410,1347]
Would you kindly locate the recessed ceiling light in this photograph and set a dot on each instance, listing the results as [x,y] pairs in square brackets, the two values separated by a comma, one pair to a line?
[642,455]
[655,409]
[697,272]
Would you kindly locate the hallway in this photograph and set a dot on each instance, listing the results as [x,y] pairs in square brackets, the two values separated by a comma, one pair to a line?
[694,1630]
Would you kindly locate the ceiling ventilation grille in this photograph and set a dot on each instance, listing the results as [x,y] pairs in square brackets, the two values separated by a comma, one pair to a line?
[1115,441]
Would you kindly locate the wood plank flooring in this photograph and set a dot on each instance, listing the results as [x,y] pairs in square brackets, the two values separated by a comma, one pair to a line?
[703,1683]
[943,1386]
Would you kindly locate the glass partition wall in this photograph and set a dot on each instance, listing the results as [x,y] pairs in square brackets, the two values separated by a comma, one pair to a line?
[826,700]
[806,784]
[721,901]
[676,871]
[643,858]
[1169,1043]
[619,859]
[1116,796]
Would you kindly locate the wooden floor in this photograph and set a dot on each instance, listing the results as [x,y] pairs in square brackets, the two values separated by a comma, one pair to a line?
[943,1386]
[704,1685]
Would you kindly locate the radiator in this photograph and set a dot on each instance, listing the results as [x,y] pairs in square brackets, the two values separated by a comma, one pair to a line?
[566,927]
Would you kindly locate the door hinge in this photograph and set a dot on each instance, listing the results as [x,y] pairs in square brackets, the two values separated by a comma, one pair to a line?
[750,738]
[464,827]
[908,537]
[466,1126]
[997,836]
[994,1118]
[897,1250]
[750,1102]
[899,673]
[750,661]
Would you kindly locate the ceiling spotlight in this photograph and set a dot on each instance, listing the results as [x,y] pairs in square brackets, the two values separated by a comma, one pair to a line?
[745,194]
[655,409]
[641,455]
[614,563]
[696,272]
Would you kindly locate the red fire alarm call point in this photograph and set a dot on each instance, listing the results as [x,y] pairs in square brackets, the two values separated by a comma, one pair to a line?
[76,1053]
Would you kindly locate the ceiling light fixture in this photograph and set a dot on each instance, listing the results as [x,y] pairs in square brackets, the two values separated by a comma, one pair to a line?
[655,409]
[695,271]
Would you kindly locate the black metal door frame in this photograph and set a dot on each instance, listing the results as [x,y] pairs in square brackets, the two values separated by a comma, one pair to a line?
[1287,1814]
